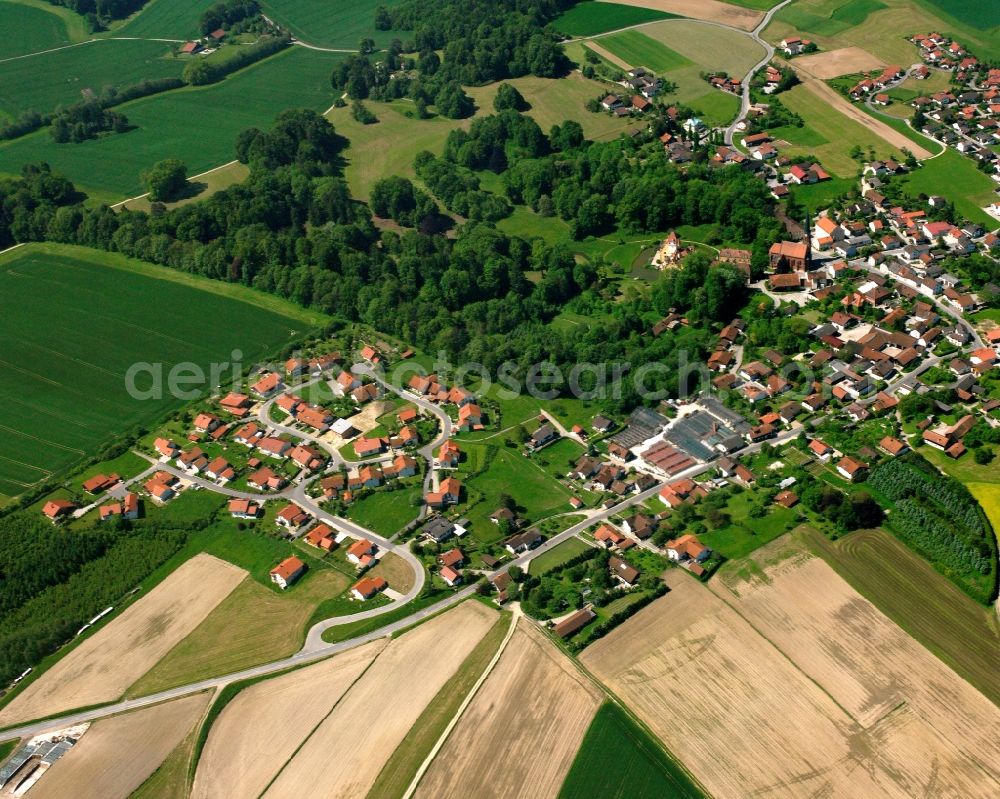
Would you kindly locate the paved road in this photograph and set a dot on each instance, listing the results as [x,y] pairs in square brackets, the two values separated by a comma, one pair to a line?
[745,99]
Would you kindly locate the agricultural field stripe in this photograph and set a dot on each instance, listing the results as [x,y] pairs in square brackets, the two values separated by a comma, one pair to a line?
[461,709]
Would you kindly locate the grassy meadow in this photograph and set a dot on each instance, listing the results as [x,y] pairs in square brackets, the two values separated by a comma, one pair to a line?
[619,758]
[165,19]
[839,134]
[62,77]
[33,25]
[198,125]
[63,389]
[336,25]
[881,26]
[709,46]
[389,146]
[963,633]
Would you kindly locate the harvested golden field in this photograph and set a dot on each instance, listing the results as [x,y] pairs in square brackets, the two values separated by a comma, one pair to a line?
[797,686]
[867,663]
[102,667]
[261,728]
[116,755]
[711,10]
[834,63]
[535,701]
[345,754]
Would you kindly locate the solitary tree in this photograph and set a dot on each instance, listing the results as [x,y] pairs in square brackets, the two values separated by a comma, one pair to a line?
[166,180]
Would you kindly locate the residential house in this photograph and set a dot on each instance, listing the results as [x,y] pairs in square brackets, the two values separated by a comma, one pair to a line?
[287,572]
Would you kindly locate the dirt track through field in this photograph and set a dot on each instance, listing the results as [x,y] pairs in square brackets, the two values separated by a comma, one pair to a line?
[115,756]
[538,705]
[834,63]
[106,664]
[709,10]
[798,687]
[603,53]
[879,128]
[263,726]
[347,751]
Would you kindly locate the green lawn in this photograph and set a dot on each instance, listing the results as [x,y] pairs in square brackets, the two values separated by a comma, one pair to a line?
[386,512]
[820,195]
[42,82]
[558,555]
[338,24]
[638,49]
[745,534]
[198,125]
[526,223]
[507,471]
[957,178]
[590,17]
[63,385]
[964,634]
[618,758]
[7,748]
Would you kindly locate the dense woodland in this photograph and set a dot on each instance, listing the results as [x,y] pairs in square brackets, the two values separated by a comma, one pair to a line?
[99,13]
[292,229]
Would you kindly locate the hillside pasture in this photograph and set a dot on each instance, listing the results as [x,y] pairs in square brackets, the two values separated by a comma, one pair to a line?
[981,14]
[346,752]
[730,14]
[63,385]
[805,677]
[109,661]
[31,27]
[337,25]
[534,701]
[116,755]
[45,80]
[166,19]
[197,125]
[254,736]
[822,110]
[882,26]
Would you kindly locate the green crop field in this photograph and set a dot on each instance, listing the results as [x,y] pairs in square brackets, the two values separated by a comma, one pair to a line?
[619,758]
[638,49]
[166,19]
[342,23]
[33,25]
[964,634]
[75,320]
[198,125]
[711,47]
[830,18]
[590,18]
[981,14]
[42,82]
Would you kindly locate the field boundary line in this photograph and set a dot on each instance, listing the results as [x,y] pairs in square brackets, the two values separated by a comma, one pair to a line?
[319,724]
[443,738]
[92,41]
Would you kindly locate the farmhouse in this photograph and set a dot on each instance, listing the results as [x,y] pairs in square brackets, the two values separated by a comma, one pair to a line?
[287,572]
[100,482]
[574,623]
[687,547]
